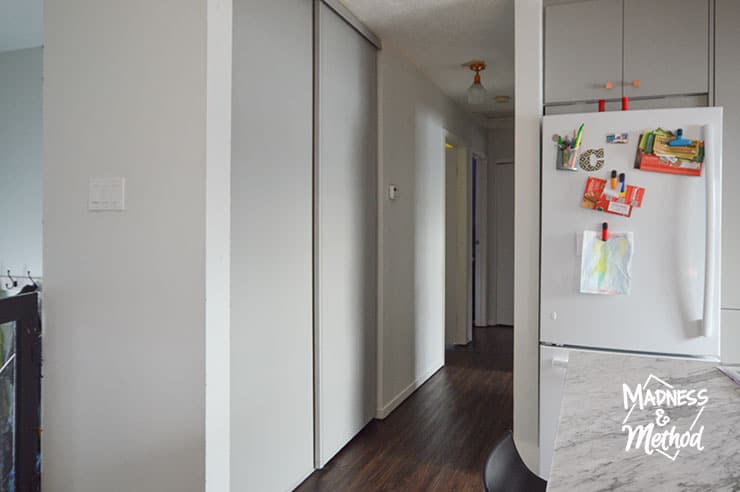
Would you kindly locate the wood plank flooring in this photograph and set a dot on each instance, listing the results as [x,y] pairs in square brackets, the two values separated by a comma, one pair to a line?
[439,438]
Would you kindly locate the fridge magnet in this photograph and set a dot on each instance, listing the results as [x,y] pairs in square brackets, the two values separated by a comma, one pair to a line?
[618,199]
[588,164]
[606,266]
[663,151]
[568,150]
[618,138]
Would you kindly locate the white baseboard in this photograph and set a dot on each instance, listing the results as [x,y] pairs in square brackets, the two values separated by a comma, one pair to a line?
[303,479]
[491,323]
[400,397]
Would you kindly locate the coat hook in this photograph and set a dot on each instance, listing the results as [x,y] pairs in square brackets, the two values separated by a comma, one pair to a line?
[31,279]
[13,282]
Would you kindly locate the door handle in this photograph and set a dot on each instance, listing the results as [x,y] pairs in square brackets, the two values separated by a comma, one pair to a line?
[561,362]
[713,233]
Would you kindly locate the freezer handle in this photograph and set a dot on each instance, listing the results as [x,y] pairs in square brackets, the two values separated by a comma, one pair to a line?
[713,179]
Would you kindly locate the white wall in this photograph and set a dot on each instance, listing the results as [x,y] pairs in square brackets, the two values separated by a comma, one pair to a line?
[124,356]
[20,161]
[271,248]
[414,115]
[528,111]
[501,140]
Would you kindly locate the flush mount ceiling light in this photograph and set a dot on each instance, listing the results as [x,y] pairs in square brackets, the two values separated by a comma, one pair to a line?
[477,94]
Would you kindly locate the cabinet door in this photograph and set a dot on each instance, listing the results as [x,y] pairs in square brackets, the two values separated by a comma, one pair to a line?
[727,74]
[666,47]
[583,51]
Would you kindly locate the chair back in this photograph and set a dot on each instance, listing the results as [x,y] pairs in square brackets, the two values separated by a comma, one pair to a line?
[505,470]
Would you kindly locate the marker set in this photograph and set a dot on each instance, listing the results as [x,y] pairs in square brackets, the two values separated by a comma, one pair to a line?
[568,150]
[618,185]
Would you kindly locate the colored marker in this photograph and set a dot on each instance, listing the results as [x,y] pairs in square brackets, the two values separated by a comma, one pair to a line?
[604,231]
[614,180]
[623,188]
[578,136]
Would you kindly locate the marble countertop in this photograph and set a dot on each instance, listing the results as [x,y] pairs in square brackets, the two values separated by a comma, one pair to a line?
[702,452]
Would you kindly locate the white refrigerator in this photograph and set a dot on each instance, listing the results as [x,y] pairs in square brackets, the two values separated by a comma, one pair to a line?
[673,304]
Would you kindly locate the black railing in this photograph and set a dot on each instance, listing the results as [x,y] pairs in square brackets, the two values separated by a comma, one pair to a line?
[20,393]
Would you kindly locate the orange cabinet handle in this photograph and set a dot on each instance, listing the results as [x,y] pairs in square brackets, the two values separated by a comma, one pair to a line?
[636,83]
[608,85]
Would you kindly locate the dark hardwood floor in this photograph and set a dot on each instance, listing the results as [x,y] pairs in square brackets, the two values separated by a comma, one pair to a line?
[439,438]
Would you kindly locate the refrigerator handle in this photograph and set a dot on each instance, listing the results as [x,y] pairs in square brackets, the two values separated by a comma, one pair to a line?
[560,362]
[713,179]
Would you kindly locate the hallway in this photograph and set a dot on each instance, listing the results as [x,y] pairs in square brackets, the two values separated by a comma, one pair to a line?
[439,438]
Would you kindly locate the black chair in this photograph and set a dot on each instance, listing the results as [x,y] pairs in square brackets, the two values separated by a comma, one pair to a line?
[506,472]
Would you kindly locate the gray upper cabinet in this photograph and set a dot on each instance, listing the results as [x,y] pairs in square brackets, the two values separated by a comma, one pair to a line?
[666,47]
[606,49]
[726,76]
[583,51]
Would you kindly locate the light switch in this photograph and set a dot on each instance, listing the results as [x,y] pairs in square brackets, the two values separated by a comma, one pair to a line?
[107,194]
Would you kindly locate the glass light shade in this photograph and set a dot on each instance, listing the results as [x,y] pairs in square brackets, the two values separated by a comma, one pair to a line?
[477,94]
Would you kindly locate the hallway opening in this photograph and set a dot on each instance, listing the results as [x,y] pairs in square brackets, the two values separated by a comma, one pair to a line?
[438,439]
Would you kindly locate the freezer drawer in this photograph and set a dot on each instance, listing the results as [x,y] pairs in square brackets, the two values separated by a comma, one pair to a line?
[553,366]
[553,372]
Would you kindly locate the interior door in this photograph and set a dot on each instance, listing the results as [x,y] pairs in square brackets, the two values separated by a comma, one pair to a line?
[480,241]
[504,186]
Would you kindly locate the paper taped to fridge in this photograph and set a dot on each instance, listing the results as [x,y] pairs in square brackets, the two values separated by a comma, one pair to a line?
[606,266]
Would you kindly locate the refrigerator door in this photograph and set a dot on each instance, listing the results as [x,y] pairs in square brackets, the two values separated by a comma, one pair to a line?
[676,235]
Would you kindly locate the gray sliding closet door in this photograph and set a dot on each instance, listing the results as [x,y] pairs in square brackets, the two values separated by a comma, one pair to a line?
[345,233]
[272,422]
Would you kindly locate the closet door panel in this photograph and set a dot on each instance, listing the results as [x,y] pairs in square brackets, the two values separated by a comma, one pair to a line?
[345,234]
[272,419]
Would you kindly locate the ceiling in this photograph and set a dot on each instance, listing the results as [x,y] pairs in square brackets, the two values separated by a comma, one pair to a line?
[21,24]
[440,35]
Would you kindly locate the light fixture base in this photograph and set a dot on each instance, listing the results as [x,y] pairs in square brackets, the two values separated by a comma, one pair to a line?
[475,65]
